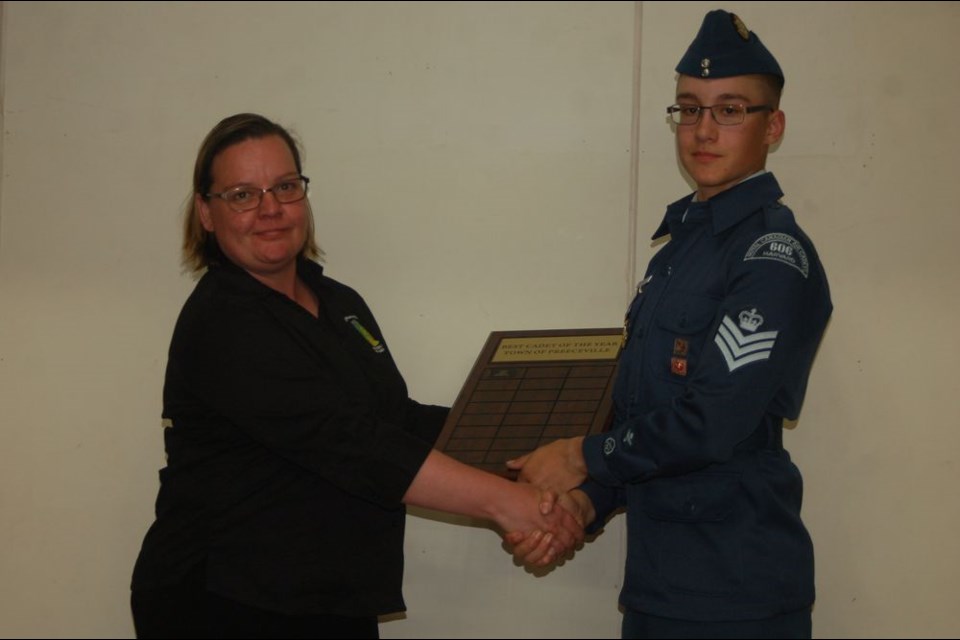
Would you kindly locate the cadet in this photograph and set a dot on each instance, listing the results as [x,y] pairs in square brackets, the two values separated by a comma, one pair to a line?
[720,339]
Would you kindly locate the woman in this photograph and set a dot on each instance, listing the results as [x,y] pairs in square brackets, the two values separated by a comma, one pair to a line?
[292,444]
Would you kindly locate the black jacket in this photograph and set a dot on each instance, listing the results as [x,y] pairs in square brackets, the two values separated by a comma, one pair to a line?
[292,443]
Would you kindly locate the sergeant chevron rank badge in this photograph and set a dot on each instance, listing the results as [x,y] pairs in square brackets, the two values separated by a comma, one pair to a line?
[739,341]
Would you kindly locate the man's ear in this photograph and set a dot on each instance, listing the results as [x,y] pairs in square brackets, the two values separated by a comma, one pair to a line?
[776,125]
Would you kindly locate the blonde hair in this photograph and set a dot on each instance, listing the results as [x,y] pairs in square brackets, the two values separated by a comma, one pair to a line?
[200,249]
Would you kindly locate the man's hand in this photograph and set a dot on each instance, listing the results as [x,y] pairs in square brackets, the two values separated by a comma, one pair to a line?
[558,466]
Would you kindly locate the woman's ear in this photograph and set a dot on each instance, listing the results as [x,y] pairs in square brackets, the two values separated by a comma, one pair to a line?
[203,208]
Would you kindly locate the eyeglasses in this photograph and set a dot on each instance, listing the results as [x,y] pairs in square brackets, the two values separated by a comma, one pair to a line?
[723,114]
[247,198]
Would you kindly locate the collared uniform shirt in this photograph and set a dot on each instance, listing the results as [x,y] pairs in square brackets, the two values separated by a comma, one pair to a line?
[720,341]
[292,443]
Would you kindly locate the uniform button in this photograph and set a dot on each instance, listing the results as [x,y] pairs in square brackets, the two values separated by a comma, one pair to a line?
[609,445]
[666,271]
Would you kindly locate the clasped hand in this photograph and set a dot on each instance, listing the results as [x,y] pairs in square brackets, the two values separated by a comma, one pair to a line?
[555,468]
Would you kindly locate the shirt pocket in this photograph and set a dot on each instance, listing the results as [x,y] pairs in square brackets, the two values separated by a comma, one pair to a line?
[694,529]
[682,323]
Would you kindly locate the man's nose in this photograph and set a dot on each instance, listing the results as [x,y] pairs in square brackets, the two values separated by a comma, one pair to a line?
[706,126]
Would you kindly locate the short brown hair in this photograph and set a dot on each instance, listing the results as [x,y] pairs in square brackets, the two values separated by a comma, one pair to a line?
[774,88]
[200,248]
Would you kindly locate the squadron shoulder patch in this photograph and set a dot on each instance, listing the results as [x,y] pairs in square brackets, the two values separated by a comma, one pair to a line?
[782,248]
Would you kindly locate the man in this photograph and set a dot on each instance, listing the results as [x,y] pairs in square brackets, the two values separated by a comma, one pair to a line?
[720,339]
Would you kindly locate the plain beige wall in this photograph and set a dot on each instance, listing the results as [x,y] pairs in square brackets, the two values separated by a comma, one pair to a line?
[475,168]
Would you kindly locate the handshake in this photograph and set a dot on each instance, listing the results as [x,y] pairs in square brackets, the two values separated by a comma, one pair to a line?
[554,470]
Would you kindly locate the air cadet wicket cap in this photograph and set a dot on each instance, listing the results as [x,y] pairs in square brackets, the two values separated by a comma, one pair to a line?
[724,47]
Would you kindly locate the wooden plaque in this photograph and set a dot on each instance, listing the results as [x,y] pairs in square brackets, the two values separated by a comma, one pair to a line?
[528,388]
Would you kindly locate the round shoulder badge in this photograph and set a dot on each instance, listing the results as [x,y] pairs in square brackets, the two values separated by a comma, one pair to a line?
[740,27]
[782,248]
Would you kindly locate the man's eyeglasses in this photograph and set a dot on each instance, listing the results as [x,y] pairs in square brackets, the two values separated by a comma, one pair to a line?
[247,198]
[723,114]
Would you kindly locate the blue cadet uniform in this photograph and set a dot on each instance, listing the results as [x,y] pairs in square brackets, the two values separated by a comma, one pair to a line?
[718,352]
[720,339]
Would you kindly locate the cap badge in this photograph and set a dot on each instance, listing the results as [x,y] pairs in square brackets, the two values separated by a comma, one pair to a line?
[705,67]
[740,27]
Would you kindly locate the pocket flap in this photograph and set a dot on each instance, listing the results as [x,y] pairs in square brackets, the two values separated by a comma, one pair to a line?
[705,498]
[686,314]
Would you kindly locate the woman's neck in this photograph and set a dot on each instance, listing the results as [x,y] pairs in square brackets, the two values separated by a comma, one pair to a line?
[289,284]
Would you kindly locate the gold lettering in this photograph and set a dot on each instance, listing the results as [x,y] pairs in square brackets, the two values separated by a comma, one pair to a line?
[558,348]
